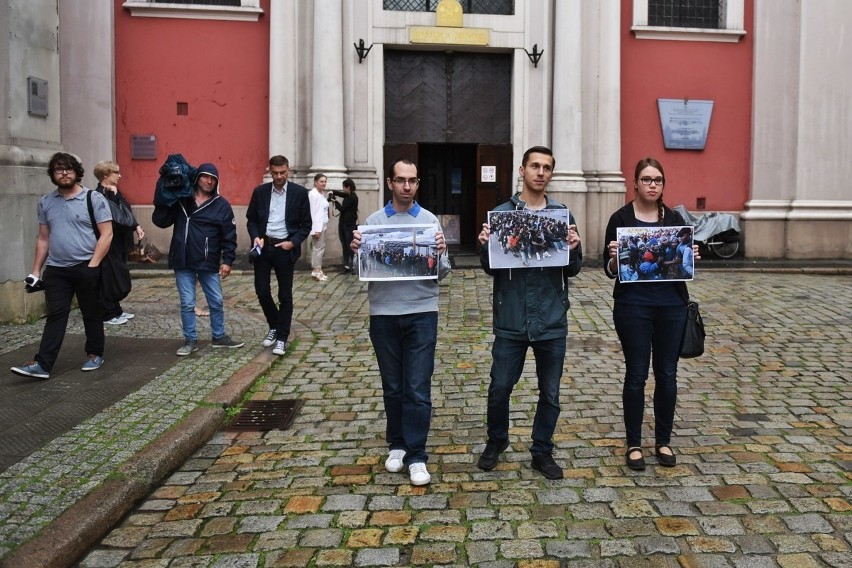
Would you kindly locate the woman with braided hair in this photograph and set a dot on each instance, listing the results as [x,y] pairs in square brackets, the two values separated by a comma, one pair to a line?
[648,318]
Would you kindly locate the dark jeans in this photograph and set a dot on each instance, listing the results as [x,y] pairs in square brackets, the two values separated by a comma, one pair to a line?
[281,261]
[60,286]
[507,365]
[643,330]
[405,351]
[344,233]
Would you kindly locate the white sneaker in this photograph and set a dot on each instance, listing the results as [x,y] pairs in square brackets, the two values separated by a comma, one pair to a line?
[280,348]
[270,338]
[419,474]
[394,462]
[127,315]
[117,320]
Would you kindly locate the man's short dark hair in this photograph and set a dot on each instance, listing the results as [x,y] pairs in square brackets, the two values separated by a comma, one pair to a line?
[392,167]
[67,161]
[278,160]
[537,150]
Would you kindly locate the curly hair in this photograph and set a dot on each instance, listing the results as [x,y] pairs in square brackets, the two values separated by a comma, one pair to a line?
[66,161]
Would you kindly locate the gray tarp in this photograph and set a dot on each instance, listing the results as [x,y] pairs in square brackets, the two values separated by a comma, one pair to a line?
[709,224]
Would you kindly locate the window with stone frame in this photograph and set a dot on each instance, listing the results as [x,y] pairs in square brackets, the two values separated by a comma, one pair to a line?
[498,7]
[241,10]
[689,20]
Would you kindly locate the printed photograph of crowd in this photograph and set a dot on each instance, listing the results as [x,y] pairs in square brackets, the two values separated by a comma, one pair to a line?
[398,252]
[655,254]
[528,239]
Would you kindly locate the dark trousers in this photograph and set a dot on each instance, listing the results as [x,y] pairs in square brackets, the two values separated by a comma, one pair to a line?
[405,351]
[281,261]
[643,329]
[60,286]
[344,232]
[507,366]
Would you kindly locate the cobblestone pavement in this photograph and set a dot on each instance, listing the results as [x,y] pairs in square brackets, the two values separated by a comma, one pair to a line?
[763,435]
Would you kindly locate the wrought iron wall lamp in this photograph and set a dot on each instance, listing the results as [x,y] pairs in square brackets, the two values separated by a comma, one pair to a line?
[535,56]
[362,50]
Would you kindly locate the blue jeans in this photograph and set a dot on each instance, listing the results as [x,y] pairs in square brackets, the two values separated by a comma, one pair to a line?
[212,287]
[508,356]
[405,351]
[643,330]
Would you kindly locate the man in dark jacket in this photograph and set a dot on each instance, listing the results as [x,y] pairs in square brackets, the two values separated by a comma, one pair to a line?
[203,248]
[278,222]
[530,310]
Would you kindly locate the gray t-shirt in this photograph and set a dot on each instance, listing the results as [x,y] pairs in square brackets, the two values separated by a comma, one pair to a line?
[72,237]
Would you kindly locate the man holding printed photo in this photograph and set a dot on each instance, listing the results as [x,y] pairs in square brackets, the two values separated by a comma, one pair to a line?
[530,310]
[404,332]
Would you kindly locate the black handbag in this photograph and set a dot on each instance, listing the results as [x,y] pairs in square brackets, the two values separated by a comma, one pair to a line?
[115,283]
[692,344]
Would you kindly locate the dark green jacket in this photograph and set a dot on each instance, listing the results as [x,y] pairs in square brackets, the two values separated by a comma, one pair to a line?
[531,304]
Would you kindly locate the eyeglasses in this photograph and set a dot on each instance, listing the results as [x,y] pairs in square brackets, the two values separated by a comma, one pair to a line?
[402,181]
[63,170]
[649,180]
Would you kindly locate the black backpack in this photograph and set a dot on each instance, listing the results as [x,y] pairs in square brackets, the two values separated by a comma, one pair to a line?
[177,179]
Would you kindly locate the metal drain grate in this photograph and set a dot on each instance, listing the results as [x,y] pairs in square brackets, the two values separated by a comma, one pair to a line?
[264,415]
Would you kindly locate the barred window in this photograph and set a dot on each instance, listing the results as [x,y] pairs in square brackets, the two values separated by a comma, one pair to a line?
[202,2]
[689,20]
[684,13]
[499,7]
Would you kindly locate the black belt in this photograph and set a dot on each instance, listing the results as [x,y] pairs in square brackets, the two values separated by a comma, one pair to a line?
[273,241]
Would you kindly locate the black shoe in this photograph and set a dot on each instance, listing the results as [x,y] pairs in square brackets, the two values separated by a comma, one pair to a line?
[545,464]
[488,459]
[637,464]
[666,460]
[226,341]
[344,270]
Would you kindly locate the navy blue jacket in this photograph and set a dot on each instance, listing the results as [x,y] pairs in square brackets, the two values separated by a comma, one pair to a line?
[531,304]
[297,214]
[204,237]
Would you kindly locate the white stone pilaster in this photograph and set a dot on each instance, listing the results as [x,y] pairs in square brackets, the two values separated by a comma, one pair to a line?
[327,151]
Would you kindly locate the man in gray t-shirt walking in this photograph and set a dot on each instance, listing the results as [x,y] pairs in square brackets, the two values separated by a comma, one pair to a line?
[72,262]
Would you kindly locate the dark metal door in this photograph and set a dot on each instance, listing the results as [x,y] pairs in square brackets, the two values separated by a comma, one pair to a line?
[438,97]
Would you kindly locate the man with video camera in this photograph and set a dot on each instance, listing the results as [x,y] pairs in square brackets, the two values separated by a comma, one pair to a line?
[348,222]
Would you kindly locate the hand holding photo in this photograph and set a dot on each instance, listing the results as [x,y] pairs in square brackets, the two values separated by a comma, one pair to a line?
[528,239]
[655,254]
[398,252]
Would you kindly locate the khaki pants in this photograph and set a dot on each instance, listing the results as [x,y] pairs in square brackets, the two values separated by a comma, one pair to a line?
[317,248]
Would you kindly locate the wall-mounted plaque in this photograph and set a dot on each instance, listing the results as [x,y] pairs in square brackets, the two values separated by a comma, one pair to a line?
[685,123]
[36,96]
[143,147]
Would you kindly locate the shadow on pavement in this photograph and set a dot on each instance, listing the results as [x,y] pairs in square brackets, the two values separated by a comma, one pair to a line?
[35,411]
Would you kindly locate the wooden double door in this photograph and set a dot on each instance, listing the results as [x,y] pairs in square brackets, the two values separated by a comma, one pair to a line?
[450,113]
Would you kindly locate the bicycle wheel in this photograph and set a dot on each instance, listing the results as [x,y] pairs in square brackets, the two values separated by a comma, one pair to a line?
[724,249]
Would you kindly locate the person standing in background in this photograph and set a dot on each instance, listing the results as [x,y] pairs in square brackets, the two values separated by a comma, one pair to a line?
[278,221]
[319,223]
[348,222]
[71,255]
[203,248]
[124,227]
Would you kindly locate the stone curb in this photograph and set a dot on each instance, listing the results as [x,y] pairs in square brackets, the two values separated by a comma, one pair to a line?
[67,538]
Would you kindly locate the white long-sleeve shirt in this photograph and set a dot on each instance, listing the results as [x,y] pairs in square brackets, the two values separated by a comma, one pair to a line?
[319,211]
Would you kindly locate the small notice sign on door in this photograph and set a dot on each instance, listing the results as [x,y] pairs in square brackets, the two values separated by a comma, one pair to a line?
[488,174]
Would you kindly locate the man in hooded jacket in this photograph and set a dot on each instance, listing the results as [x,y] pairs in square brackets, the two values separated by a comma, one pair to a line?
[203,248]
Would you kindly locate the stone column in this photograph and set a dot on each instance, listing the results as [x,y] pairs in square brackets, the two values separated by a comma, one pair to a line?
[29,47]
[327,155]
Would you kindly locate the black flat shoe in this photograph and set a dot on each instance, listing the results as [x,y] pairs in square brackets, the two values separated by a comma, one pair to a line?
[637,464]
[666,460]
